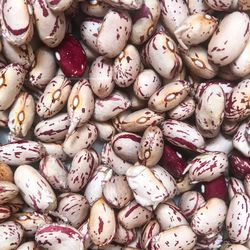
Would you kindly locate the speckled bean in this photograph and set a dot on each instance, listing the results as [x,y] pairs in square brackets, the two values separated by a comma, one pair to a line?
[80,170]
[102,223]
[80,104]
[53,170]
[224,48]
[53,129]
[54,97]
[22,115]
[41,197]
[237,222]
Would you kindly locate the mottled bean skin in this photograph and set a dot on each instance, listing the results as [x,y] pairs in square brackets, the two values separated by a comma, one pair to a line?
[220,47]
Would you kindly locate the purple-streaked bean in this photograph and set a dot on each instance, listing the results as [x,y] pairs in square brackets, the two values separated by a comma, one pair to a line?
[169,216]
[43,68]
[126,66]
[16,204]
[94,8]
[84,231]
[124,236]
[235,186]
[210,111]
[21,152]
[183,184]
[173,162]
[96,157]
[101,77]
[117,192]
[198,6]
[216,188]
[135,244]
[240,142]
[144,21]
[237,221]
[125,4]
[55,150]
[29,245]
[80,104]
[239,164]
[209,243]
[94,188]
[54,97]
[184,238]
[80,170]
[220,143]
[41,197]
[134,215]
[59,5]
[237,103]
[89,31]
[220,47]
[53,170]
[21,115]
[102,223]
[209,219]
[140,120]
[117,121]
[22,55]
[56,236]
[229,246]
[105,130]
[111,106]
[8,191]
[148,190]
[174,13]
[151,146]
[229,128]
[146,84]
[126,146]
[240,66]
[169,96]
[109,158]
[196,59]
[110,31]
[81,138]
[16,21]
[207,166]
[190,202]
[226,86]
[163,55]
[11,81]
[182,111]
[4,119]
[53,129]
[166,179]
[183,135]
[11,235]
[196,29]
[31,221]
[151,229]
[51,26]
[73,207]
[222,5]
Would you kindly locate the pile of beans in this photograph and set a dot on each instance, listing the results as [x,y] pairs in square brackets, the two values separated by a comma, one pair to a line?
[128,124]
